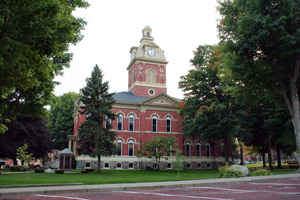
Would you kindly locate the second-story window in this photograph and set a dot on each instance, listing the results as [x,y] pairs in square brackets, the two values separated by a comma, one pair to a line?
[168,124]
[154,124]
[120,122]
[107,122]
[131,122]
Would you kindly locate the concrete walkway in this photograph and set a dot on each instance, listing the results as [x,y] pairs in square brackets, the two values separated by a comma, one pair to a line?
[46,189]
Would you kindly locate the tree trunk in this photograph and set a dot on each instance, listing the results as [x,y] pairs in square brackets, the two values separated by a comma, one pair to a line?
[270,158]
[226,149]
[291,99]
[264,159]
[241,153]
[278,156]
[99,164]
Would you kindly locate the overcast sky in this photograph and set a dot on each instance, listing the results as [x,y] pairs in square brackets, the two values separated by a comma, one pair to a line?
[114,26]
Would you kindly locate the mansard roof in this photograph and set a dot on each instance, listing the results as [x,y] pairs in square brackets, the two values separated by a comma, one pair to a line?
[129,97]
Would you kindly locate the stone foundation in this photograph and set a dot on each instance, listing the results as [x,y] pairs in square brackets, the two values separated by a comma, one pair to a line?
[126,162]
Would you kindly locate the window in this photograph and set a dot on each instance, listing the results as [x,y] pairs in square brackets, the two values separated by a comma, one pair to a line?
[130,148]
[107,122]
[119,147]
[168,124]
[151,75]
[120,122]
[132,76]
[207,150]
[188,149]
[198,149]
[131,122]
[154,124]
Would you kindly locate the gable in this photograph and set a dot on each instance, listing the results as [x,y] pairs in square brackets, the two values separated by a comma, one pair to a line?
[161,100]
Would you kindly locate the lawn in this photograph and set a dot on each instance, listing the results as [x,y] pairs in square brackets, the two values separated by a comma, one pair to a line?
[107,177]
[113,176]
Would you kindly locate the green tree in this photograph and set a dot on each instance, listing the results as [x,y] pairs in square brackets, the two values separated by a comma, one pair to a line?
[34,39]
[211,111]
[61,121]
[26,130]
[263,43]
[23,155]
[158,147]
[95,139]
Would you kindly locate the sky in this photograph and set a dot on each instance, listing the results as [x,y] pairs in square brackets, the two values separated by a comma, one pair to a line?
[114,26]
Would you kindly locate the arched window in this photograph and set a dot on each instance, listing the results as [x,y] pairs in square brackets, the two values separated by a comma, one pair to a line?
[168,124]
[120,121]
[188,149]
[154,123]
[131,122]
[107,122]
[198,149]
[132,76]
[151,76]
[207,150]
[119,147]
[130,147]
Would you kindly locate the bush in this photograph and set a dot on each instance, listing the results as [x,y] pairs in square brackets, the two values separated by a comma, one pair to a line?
[230,173]
[261,172]
[226,172]
[222,170]
[39,170]
[17,168]
[59,171]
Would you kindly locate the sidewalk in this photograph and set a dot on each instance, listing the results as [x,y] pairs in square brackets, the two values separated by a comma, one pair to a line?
[46,189]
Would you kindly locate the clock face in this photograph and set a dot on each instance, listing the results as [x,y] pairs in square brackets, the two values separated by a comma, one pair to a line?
[151,52]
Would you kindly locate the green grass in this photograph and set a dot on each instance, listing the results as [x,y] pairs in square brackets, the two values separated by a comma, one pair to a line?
[107,177]
[114,176]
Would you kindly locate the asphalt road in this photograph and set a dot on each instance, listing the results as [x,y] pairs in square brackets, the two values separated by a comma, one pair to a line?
[277,189]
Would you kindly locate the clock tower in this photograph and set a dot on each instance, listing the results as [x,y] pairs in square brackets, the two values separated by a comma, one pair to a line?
[147,67]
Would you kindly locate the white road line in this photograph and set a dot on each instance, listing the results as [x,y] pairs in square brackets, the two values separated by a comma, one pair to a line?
[226,189]
[172,195]
[286,184]
[54,196]
[244,191]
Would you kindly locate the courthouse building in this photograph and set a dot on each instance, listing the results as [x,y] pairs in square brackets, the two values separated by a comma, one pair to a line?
[145,111]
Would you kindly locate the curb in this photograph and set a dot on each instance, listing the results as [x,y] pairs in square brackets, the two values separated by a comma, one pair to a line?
[50,189]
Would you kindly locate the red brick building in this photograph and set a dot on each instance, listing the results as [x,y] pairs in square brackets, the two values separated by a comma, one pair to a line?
[145,111]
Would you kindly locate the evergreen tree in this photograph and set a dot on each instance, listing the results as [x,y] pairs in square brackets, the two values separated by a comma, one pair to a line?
[95,139]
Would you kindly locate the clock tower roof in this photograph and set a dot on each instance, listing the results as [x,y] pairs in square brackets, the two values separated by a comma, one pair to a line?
[148,50]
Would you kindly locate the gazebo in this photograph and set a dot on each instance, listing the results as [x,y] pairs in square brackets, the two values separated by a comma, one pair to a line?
[65,159]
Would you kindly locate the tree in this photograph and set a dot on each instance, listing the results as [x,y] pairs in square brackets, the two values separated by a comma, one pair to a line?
[263,41]
[23,155]
[34,39]
[61,121]
[210,109]
[95,139]
[26,130]
[158,147]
